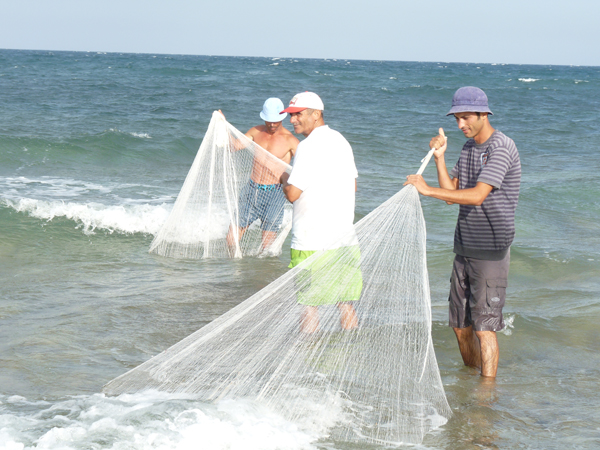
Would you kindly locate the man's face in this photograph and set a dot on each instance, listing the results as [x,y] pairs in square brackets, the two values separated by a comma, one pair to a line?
[303,122]
[272,127]
[470,123]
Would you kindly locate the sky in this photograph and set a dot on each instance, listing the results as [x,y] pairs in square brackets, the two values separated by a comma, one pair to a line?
[558,32]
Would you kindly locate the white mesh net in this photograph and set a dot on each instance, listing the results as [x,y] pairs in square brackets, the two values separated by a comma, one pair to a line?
[231,203]
[377,380]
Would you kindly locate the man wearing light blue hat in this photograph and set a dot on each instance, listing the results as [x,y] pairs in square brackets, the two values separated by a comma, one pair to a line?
[273,136]
[262,198]
[485,183]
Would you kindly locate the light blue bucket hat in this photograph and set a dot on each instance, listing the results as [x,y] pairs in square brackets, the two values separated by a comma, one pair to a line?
[271,109]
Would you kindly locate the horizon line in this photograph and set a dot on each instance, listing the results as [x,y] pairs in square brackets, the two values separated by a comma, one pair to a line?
[292,57]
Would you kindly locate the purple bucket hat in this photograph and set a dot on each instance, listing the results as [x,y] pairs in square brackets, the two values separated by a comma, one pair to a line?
[469,99]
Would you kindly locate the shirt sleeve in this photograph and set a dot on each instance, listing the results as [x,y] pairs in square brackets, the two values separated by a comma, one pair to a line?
[498,164]
[454,172]
[301,175]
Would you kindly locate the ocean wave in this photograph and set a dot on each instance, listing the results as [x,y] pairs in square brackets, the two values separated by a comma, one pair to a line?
[141,135]
[149,420]
[61,189]
[50,187]
[529,80]
[134,134]
[123,219]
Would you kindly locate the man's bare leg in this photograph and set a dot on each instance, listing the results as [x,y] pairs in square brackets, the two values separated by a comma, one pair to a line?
[479,349]
[490,353]
[468,344]
[348,318]
[231,239]
[268,237]
[309,322]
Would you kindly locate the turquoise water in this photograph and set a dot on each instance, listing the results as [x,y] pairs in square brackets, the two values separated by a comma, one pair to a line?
[93,151]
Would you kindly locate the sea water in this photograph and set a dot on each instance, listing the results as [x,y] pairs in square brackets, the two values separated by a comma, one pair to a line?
[94,148]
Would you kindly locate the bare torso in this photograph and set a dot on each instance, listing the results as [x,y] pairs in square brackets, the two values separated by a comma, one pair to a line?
[279,142]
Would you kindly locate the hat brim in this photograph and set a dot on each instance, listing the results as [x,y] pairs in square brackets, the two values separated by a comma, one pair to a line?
[272,117]
[292,109]
[469,108]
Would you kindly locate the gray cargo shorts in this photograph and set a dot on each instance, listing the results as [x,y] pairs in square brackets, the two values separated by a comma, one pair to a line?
[478,293]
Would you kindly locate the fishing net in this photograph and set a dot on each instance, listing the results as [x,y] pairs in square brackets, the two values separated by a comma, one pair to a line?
[343,339]
[231,203]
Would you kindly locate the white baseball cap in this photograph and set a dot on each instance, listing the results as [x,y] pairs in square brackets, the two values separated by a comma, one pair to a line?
[270,111]
[304,100]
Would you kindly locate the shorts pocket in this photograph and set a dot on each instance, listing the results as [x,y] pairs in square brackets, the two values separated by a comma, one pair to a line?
[496,293]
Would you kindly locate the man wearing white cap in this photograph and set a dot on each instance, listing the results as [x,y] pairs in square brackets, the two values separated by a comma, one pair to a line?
[262,198]
[322,188]
[485,182]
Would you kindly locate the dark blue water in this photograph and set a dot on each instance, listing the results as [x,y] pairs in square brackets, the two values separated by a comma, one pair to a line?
[93,151]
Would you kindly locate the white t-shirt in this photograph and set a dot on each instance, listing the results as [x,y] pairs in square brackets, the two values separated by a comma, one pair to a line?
[324,170]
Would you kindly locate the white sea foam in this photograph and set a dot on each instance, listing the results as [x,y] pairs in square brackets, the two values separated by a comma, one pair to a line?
[134,134]
[49,187]
[52,188]
[141,135]
[509,321]
[126,219]
[529,80]
[147,421]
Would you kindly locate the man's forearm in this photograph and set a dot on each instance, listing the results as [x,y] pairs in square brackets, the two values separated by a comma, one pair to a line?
[291,192]
[444,179]
[473,196]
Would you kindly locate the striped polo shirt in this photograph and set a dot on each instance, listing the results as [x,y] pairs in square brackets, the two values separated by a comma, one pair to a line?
[486,231]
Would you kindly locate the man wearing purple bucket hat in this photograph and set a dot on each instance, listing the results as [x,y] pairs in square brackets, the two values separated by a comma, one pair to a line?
[485,183]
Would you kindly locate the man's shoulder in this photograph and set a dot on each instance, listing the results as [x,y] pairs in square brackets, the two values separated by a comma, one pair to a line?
[499,139]
[257,129]
[287,134]
[326,129]
[331,135]
[293,141]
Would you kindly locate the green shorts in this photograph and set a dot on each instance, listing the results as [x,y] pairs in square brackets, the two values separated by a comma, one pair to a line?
[331,277]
